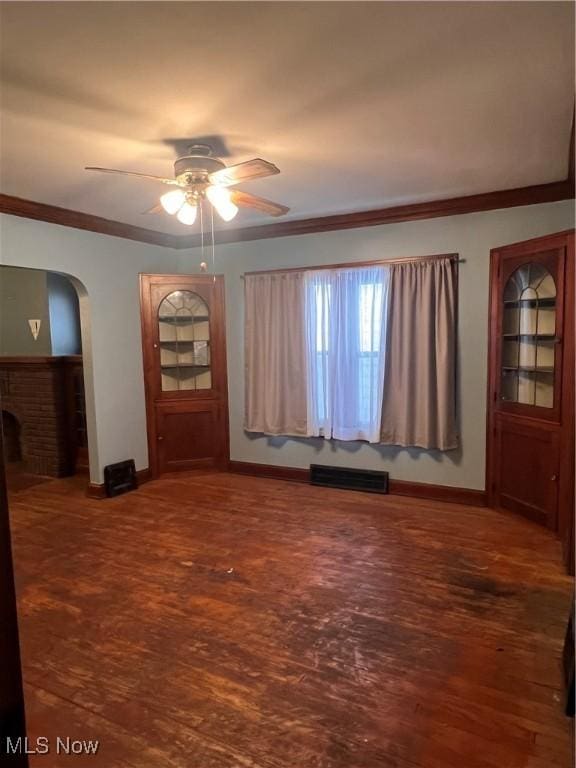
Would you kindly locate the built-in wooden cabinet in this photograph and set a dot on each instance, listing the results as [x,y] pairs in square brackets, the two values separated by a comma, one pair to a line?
[185,371]
[531,381]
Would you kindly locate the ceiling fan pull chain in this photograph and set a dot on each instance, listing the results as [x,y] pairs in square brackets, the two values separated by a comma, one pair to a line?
[201,206]
[213,245]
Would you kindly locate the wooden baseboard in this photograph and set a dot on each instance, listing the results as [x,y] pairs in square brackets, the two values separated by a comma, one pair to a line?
[448,493]
[429,491]
[470,496]
[269,470]
[98,490]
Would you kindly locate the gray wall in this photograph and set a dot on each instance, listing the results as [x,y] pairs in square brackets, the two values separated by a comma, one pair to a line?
[64,313]
[38,295]
[472,236]
[106,269]
[23,297]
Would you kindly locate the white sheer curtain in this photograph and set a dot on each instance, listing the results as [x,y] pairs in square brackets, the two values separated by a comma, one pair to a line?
[345,338]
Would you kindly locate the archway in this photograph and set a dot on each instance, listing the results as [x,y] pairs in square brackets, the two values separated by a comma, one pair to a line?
[46,370]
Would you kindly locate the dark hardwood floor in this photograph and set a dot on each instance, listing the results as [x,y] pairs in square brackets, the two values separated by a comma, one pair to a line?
[221,621]
[17,479]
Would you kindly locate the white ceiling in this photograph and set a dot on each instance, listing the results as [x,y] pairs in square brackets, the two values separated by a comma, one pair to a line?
[361,105]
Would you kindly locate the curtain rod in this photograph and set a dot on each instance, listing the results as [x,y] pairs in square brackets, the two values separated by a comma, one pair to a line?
[350,265]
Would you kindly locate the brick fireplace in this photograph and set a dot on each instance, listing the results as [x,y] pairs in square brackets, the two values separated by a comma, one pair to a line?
[34,392]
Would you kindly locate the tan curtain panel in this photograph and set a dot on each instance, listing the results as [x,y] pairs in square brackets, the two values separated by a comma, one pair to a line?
[419,406]
[275,354]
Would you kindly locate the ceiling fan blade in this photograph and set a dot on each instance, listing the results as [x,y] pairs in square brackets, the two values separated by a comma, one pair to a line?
[251,169]
[249,200]
[155,209]
[132,173]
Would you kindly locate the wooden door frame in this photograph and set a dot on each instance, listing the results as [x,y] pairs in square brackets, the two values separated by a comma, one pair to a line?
[566,427]
[12,711]
[566,490]
[148,333]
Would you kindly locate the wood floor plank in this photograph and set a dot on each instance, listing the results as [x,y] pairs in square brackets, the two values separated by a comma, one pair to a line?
[224,621]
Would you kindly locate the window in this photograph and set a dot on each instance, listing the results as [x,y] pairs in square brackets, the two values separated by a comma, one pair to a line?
[354,353]
[346,325]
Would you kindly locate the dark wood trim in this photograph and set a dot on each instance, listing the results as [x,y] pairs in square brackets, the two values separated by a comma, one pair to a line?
[294,474]
[507,198]
[41,360]
[144,475]
[148,371]
[566,489]
[52,214]
[470,496]
[98,491]
[12,713]
[447,493]
[95,491]
[571,159]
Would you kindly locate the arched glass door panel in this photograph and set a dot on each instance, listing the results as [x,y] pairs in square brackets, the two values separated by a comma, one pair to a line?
[529,337]
[184,339]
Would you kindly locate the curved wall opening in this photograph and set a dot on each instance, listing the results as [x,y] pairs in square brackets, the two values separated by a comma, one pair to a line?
[46,370]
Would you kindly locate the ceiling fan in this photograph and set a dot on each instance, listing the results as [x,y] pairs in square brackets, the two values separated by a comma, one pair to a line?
[199,175]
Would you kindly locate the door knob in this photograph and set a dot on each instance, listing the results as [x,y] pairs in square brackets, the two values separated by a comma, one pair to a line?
[554,478]
[160,437]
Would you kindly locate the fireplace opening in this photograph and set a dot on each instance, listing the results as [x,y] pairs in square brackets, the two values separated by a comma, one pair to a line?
[11,432]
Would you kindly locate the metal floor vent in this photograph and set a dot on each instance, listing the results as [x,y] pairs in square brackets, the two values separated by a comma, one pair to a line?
[370,480]
[120,478]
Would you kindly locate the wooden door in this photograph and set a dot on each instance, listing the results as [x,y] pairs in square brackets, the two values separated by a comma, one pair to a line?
[530,419]
[185,371]
[528,469]
[190,435]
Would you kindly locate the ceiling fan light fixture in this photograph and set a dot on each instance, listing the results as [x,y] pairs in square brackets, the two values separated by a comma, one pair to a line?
[199,175]
[173,201]
[227,212]
[187,214]
[221,200]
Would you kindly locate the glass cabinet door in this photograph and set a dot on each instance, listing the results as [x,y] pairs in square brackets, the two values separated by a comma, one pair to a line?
[184,341]
[529,337]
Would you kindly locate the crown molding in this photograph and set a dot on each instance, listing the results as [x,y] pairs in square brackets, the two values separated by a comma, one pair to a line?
[508,198]
[28,209]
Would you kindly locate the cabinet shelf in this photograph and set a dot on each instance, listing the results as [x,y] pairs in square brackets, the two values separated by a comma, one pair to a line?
[529,336]
[183,342]
[531,303]
[528,369]
[168,366]
[183,320]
